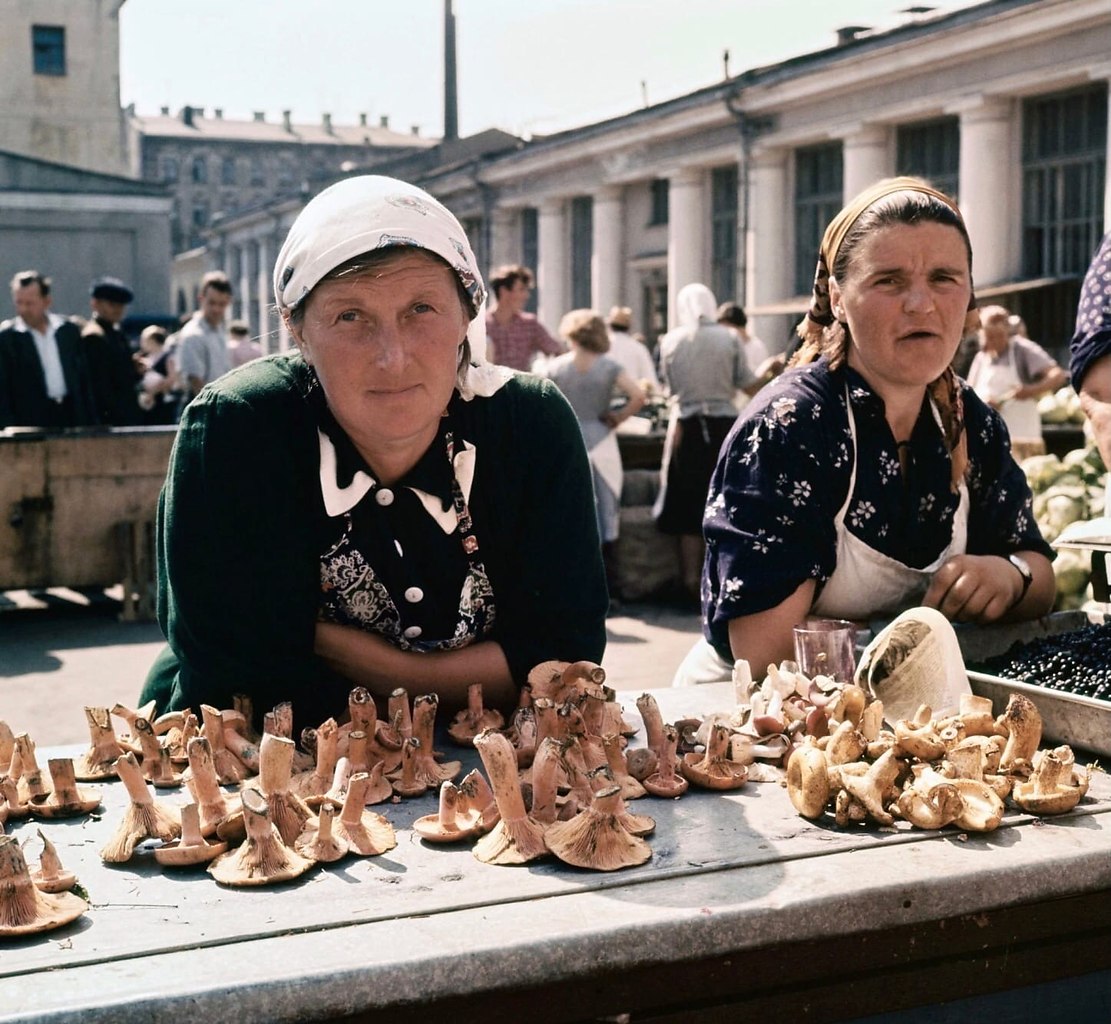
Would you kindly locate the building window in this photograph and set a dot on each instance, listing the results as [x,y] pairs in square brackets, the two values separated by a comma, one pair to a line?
[660,190]
[200,214]
[285,172]
[170,169]
[227,171]
[474,229]
[1064,164]
[258,171]
[48,49]
[723,232]
[530,248]
[200,170]
[818,197]
[931,150]
[582,250]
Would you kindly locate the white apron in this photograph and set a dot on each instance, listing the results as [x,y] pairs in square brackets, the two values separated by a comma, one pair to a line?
[1001,378]
[865,583]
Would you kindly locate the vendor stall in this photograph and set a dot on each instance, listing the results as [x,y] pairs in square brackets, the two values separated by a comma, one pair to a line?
[743,908]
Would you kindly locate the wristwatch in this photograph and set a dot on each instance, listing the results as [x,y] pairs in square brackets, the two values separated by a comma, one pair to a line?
[1024,571]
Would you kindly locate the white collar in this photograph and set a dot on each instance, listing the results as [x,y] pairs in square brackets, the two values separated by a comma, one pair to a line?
[340,500]
[53,322]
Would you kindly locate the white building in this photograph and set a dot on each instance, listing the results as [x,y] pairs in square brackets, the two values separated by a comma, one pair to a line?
[1004,104]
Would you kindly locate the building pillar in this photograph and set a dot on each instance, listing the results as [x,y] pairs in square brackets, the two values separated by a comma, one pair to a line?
[607,268]
[551,264]
[1104,72]
[263,286]
[866,158]
[243,305]
[505,238]
[686,234]
[768,260]
[985,182]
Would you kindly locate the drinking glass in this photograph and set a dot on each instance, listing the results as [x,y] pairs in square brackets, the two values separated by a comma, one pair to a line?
[826,647]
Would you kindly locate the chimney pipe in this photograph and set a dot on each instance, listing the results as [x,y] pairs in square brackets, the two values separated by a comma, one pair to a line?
[165,111]
[187,116]
[362,120]
[287,120]
[415,129]
[327,121]
[451,98]
[849,33]
[384,121]
[260,115]
[218,113]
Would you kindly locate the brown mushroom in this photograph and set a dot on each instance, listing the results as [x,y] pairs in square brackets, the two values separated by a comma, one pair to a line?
[32,784]
[596,839]
[522,733]
[714,770]
[1023,724]
[469,722]
[1054,788]
[447,825]
[424,723]
[238,742]
[546,680]
[213,806]
[99,761]
[653,723]
[145,818]
[547,773]
[517,838]
[319,841]
[7,746]
[263,859]
[229,769]
[642,761]
[311,786]
[631,789]
[666,781]
[476,800]
[409,782]
[128,715]
[157,767]
[288,811]
[14,805]
[24,910]
[808,780]
[366,833]
[50,876]
[192,848]
[64,800]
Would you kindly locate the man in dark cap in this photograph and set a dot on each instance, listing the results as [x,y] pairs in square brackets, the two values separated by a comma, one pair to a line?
[109,353]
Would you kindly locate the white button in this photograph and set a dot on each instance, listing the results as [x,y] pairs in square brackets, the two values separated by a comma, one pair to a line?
[414,594]
[413,632]
[384,496]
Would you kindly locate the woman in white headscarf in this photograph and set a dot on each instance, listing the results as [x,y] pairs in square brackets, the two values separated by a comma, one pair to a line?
[702,366]
[380,507]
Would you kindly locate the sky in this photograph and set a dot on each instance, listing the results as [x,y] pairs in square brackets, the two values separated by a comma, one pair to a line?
[529,67]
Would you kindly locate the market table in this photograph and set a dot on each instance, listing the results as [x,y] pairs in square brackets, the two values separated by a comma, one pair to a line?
[744,908]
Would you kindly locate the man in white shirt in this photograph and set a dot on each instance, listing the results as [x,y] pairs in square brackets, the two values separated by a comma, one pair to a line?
[632,355]
[44,375]
[202,348]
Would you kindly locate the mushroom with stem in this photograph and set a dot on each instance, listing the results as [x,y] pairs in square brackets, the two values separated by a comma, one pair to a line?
[424,723]
[288,811]
[596,839]
[311,786]
[366,833]
[99,761]
[213,806]
[65,800]
[1023,724]
[24,910]
[469,722]
[31,783]
[666,781]
[192,848]
[229,769]
[145,818]
[714,770]
[1055,787]
[319,841]
[263,859]
[448,824]
[157,767]
[517,838]
[50,876]
[653,722]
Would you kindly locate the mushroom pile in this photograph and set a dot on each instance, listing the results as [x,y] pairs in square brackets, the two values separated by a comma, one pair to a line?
[931,772]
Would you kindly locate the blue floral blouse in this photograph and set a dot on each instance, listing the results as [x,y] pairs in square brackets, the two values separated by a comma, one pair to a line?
[783,473]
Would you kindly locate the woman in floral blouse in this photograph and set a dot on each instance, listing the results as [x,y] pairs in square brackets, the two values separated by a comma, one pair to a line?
[869,478]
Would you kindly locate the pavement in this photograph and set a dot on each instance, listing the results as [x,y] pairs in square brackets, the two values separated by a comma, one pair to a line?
[61,651]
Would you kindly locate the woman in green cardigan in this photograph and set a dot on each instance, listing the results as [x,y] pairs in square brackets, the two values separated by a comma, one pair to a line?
[382,507]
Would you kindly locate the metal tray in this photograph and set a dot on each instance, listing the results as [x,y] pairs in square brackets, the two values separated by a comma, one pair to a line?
[1084,723]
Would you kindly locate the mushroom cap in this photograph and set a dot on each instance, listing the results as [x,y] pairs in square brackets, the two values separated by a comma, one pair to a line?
[596,838]
[512,842]
[982,811]
[668,787]
[319,841]
[808,781]
[24,910]
[712,774]
[641,762]
[259,861]
[175,855]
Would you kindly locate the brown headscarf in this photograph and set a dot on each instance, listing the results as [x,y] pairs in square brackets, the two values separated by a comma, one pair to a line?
[818,338]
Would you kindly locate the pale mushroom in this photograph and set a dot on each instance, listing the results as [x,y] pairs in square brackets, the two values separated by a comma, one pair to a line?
[1055,787]
[399,724]
[238,741]
[65,800]
[982,809]
[50,876]
[871,789]
[145,818]
[517,838]
[409,782]
[522,734]
[32,784]
[7,746]
[263,859]
[596,839]
[845,744]
[128,715]
[931,808]
[319,841]
[99,761]
[157,767]
[192,848]
[476,800]
[24,910]
[424,724]
[666,781]
[311,786]
[713,769]
[968,760]
[366,833]
[546,680]
[14,805]
[177,728]
[808,780]
[918,738]
[288,812]
[469,722]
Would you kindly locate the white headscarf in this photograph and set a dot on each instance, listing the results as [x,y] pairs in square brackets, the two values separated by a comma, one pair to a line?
[369,212]
[695,302]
